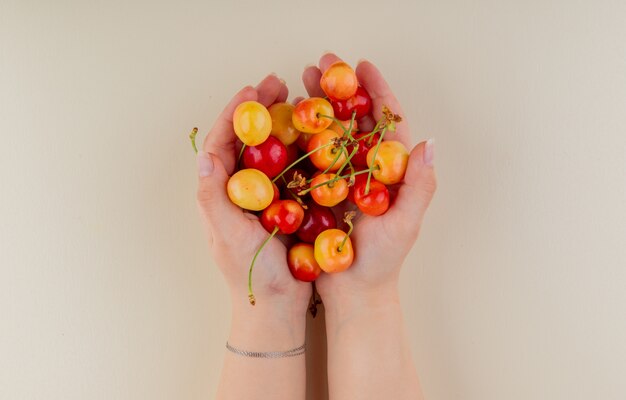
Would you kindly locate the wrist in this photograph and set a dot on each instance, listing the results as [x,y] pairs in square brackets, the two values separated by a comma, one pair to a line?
[344,305]
[271,325]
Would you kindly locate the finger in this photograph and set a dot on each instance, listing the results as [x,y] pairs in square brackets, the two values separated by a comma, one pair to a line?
[269,89]
[224,219]
[283,93]
[221,139]
[327,60]
[297,100]
[372,80]
[311,79]
[418,189]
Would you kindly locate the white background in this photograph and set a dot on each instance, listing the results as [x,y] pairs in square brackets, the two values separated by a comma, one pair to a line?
[515,290]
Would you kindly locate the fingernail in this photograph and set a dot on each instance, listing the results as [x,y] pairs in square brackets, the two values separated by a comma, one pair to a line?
[205,164]
[429,152]
[360,61]
[273,74]
[282,81]
[309,66]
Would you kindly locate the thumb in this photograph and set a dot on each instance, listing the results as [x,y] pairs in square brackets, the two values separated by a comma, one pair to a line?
[221,215]
[419,186]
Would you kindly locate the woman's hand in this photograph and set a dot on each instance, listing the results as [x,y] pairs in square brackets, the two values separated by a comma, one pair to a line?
[380,243]
[369,356]
[234,235]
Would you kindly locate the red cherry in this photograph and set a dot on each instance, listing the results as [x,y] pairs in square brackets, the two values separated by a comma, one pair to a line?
[269,157]
[316,219]
[302,264]
[361,102]
[376,202]
[287,215]
[360,157]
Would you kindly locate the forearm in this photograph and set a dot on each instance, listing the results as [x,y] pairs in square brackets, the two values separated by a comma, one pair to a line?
[369,356]
[266,327]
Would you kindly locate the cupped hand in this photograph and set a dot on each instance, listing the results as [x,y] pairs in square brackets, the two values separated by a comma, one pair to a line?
[380,243]
[234,236]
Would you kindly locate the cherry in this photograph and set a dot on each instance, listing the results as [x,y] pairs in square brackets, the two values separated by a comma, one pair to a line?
[328,189]
[311,115]
[252,122]
[376,202]
[284,215]
[390,159]
[333,251]
[302,264]
[250,189]
[269,157]
[316,219]
[361,102]
[339,81]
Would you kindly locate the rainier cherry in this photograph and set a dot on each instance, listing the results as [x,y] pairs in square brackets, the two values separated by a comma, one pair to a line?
[328,156]
[391,161]
[339,81]
[282,123]
[252,123]
[302,264]
[328,194]
[333,251]
[312,115]
[250,189]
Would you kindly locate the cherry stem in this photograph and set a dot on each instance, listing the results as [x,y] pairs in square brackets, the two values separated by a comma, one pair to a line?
[243,147]
[192,137]
[352,153]
[314,301]
[348,221]
[337,157]
[293,164]
[369,176]
[349,130]
[295,197]
[333,180]
[251,297]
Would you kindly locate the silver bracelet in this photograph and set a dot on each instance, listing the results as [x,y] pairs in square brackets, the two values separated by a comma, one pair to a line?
[267,354]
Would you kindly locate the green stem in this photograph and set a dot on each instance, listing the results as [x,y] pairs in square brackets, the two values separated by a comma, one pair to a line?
[337,157]
[192,137]
[243,147]
[343,243]
[251,297]
[301,159]
[354,150]
[335,179]
[369,175]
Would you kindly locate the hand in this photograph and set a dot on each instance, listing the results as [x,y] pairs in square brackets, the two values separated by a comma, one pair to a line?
[235,235]
[380,243]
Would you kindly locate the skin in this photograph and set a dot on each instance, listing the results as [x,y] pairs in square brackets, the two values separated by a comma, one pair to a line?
[369,356]
[368,352]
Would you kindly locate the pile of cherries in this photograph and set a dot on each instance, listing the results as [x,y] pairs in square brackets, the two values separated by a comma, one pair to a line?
[301,165]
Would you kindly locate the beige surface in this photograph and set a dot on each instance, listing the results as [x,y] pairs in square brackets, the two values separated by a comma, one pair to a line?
[516,290]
